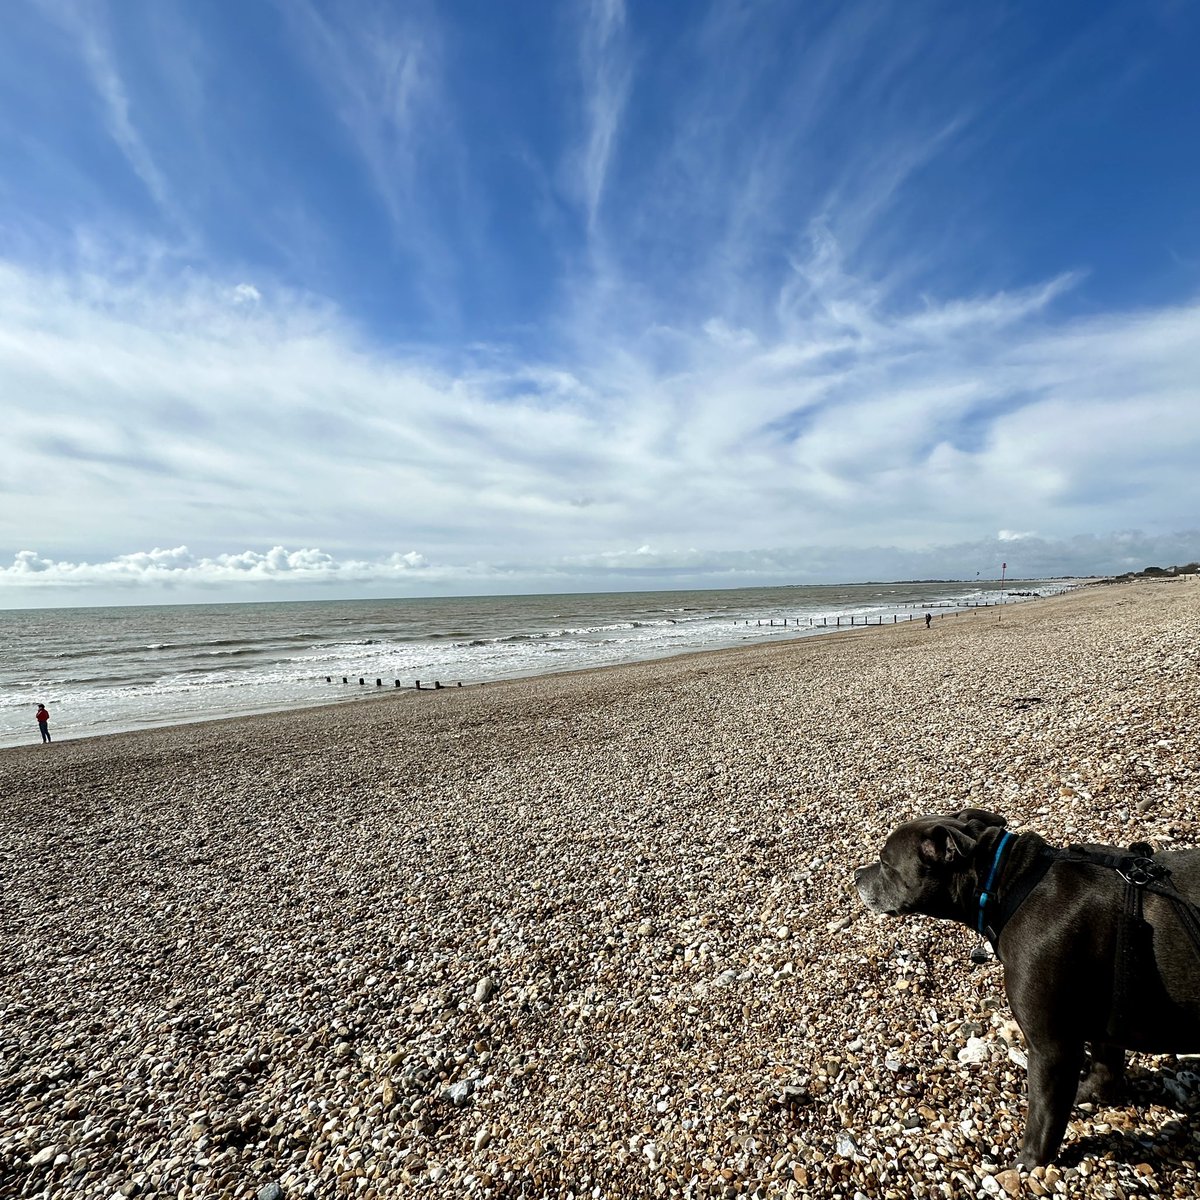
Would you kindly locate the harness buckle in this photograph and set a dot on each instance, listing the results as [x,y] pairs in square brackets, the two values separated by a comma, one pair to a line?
[1142,871]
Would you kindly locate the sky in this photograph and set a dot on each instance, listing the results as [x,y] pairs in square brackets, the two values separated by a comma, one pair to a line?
[304,299]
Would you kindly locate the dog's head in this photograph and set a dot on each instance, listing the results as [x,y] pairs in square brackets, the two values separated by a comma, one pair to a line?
[927,866]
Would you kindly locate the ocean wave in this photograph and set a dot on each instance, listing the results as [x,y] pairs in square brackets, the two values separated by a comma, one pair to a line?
[85,653]
[399,639]
[191,647]
[217,644]
[573,631]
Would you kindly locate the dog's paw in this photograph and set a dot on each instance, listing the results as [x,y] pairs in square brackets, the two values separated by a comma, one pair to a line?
[1097,1089]
[1103,1081]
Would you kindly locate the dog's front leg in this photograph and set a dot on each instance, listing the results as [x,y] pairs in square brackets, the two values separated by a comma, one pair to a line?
[1053,1078]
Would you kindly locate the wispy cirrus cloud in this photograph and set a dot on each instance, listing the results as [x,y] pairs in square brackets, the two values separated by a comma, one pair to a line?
[383,75]
[605,78]
[89,30]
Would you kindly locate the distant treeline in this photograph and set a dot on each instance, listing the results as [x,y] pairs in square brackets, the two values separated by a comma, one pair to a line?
[1191,568]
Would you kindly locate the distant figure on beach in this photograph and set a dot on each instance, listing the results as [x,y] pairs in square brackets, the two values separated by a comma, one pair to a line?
[928,620]
[43,720]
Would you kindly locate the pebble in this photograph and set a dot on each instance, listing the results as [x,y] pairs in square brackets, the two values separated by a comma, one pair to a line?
[273,949]
[1009,1181]
[975,1051]
[459,1093]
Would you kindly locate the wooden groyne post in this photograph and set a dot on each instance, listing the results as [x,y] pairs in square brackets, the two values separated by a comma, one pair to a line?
[362,682]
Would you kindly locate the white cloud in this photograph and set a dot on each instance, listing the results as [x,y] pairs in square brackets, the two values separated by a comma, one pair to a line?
[379,77]
[150,410]
[383,75]
[179,574]
[179,567]
[606,81]
[723,334]
[85,24]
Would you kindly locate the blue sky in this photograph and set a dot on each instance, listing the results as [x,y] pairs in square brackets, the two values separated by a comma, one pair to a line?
[347,299]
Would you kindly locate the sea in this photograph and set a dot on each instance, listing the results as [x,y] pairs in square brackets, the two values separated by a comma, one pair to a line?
[104,670]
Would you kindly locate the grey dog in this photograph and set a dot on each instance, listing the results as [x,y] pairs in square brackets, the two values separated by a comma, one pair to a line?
[1092,957]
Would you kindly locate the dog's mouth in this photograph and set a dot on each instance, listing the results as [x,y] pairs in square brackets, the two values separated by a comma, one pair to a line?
[866,880]
[880,910]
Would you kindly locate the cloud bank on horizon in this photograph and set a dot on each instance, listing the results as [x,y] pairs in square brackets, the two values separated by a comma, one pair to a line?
[385,299]
[178,574]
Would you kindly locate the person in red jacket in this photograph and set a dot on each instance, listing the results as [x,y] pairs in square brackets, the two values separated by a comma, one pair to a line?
[43,720]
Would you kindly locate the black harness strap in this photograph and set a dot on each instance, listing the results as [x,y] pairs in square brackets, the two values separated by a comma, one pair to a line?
[1134,949]
[1130,933]
[1188,914]
[1141,874]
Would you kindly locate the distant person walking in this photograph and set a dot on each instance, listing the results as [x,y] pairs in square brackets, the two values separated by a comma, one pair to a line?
[928,620]
[43,720]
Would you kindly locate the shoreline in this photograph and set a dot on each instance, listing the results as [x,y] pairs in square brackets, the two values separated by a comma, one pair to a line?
[580,931]
[368,694]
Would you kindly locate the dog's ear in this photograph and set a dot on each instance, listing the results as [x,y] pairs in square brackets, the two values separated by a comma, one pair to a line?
[981,817]
[944,844]
[948,843]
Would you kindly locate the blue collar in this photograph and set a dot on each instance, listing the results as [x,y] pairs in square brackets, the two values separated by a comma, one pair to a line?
[985,895]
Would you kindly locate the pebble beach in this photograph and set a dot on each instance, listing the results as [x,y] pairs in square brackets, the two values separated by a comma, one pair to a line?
[587,935]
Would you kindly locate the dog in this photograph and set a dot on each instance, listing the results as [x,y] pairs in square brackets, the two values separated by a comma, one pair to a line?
[1091,961]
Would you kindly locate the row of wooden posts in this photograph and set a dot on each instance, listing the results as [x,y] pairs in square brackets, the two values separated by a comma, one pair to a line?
[837,621]
[421,687]
[812,621]
[824,621]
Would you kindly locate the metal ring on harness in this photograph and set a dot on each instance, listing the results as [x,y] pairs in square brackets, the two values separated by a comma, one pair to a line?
[1142,871]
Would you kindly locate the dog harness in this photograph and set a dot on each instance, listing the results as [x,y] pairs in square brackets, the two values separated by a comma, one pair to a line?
[1141,874]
